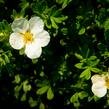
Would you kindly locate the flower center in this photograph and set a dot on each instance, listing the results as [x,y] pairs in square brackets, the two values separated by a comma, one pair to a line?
[28,37]
[107,82]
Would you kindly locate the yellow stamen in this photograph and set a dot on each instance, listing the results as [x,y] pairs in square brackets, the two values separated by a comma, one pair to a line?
[107,82]
[28,37]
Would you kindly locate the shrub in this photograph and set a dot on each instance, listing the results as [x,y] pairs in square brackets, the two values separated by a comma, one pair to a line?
[60,77]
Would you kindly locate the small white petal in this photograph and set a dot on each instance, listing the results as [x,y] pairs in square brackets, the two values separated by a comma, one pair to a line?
[99,90]
[20,25]
[43,38]
[98,78]
[36,25]
[33,50]
[16,41]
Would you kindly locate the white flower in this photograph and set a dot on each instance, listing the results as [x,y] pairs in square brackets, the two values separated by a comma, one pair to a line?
[29,34]
[100,84]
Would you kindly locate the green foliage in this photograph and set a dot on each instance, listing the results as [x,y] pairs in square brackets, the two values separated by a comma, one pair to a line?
[75,98]
[4,30]
[89,64]
[32,102]
[63,2]
[81,31]
[4,58]
[26,87]
[17,79]
[1,1]
[61,76]
[23,98]
[51,15]
[86,74]
[42,90]
[106,24]
[50,94]
[41,106]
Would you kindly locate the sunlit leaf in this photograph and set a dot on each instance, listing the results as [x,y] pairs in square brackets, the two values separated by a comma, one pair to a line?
[79,65]
[86,74]
[81,31]
[106,24]
[96,70]
[41,106]
[23,98]
[82,94]
[53,23]
[42,90]
[32,102]
[17,79]
[26,86]
[50,94]
[78,56]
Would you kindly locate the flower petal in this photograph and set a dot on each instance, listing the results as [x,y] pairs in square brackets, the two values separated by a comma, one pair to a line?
[20,25]
[99,90]
[33,50]
[43,38]
[36,25]
[98,78]
[16,41]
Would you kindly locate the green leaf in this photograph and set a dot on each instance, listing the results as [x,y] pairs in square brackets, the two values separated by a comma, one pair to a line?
[50,94]
[23,98]
[92,58]
[59,19]
[65,3]
[78,56]
[16,94]
[48,23]
[34,61]
[79,65]
[18,88]
[100,45]
[54,25]
[106,24]
[96,98]
[41,106]
[74,99]
[1,1]
[93,63]
[42,90]
[32,102]
[82,31]
[96,70]
[24,4]
[65,32]
[59,1]
[82,94]
[86,74]
[42,74]
[90,98]
[17,79]
[6,58]
[26,86]
[21,51]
